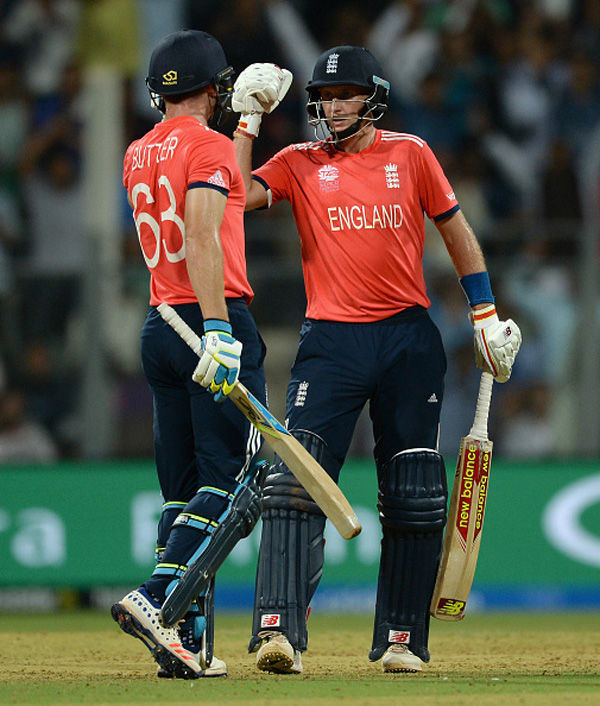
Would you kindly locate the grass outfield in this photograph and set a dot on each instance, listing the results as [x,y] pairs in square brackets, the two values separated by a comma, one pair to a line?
[83,658]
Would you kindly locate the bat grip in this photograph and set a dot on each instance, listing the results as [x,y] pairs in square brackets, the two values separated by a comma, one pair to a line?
[479,430]
[178,324]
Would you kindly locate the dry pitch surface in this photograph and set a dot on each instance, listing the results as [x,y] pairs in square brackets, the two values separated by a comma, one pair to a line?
[83,658]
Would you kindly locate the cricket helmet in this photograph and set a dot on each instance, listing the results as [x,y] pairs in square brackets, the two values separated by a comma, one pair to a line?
[186,61]
[348,66]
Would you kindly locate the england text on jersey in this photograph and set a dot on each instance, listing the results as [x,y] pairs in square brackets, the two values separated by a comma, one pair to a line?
[361,217]
[361,221]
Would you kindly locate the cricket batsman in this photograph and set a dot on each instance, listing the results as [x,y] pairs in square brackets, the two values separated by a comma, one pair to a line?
[188,197]
[359,197]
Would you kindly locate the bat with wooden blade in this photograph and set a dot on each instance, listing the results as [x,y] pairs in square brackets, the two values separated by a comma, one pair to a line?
[466,514]
[315,479]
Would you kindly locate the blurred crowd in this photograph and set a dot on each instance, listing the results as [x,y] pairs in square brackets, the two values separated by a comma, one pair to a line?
[506,92]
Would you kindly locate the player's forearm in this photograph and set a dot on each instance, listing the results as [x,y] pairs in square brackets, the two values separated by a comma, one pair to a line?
[204,258]
[256,196]
[462,245]
[243,151]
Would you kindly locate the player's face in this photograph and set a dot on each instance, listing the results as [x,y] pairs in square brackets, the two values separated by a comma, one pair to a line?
[342,104]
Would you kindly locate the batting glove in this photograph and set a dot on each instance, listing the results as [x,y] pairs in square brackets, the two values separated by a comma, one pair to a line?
[496,342]
[259,89]
[219,365]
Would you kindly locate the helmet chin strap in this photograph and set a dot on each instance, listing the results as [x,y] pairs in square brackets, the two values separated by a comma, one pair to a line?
[355,129]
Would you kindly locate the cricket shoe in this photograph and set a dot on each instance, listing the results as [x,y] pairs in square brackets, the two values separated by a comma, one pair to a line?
[278,656]
[138,615]
[190,640]
[217,668]
[398,658]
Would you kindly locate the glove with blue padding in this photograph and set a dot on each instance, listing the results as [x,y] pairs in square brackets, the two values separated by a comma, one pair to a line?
[219,365]
[496,342]
[259,89]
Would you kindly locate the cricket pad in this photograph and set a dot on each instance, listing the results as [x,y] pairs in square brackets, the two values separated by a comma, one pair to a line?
[412,507]
[291,554]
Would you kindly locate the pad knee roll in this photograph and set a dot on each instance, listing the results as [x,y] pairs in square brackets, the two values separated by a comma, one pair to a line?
[412,506]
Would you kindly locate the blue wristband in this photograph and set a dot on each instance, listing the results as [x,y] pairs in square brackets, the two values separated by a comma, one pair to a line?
[477,288]
[217,325]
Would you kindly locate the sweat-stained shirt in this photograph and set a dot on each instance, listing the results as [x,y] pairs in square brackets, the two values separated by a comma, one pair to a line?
[177,155]
[361,222]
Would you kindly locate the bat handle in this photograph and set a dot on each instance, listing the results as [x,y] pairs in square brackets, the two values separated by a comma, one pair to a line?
[178,324]
[187,333]
[479,430]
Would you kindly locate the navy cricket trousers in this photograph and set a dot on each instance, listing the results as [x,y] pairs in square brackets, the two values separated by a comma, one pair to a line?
[197,441]
[396,365]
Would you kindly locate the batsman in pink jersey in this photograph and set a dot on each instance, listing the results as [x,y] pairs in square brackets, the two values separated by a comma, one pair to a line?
[359,198]
[187,194]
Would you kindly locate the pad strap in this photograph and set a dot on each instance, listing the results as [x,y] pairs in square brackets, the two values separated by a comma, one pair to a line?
[241,516]
[170,510]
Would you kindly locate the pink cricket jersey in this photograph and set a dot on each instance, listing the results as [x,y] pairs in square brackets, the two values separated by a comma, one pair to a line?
[361,223]
[177,155]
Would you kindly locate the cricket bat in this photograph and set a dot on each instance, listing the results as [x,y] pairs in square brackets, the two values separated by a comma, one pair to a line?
[315,479]
[466,514]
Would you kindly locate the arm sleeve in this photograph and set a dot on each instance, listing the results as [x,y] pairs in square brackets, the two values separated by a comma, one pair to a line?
[212,163]
[436,194]
[275,175]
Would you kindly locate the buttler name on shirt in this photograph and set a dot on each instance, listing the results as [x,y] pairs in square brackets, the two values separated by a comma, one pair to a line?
[143,155]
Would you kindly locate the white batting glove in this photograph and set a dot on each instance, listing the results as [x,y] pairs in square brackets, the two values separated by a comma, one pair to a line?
[219,365]
[259,89]
[496,342]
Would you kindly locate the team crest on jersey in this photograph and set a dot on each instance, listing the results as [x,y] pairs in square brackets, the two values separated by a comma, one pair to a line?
[329,178]
[217,179]
[451,196]
[391,176]
[332,63]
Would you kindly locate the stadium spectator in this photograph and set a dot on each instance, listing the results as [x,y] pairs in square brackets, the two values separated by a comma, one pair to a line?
[520,81]
[58,248]
[45,31]
[22,439]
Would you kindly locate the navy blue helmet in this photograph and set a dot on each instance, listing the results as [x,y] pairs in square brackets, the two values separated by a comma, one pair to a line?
[348,66]
[186,61]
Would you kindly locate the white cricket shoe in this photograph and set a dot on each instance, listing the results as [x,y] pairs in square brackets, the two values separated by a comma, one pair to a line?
[217,668]
[138,615]
[398,658]
[194,644]
[278,656]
